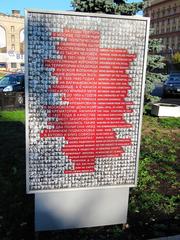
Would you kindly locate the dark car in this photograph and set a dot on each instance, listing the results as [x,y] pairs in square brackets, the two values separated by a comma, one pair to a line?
[13,85]
[172,85]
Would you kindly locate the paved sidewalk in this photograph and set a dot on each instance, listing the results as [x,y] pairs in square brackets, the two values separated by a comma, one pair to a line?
[176,237]
[171,100]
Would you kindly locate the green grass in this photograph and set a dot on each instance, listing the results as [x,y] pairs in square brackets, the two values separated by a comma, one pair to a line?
[161,123]
[13,116]
[170,122]
[152,205]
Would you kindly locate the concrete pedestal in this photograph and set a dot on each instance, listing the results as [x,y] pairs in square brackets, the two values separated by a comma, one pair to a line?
[81,208]
[165,110]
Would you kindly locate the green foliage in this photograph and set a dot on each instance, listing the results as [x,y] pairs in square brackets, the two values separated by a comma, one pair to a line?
[155,46]
[157,191]
[153,200]
[170,122]
[129,8]
[176,58]
[155,64]
[155,60]
[106,6]
[1,75]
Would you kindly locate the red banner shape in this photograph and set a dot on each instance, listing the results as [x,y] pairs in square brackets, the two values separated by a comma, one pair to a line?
[95,84]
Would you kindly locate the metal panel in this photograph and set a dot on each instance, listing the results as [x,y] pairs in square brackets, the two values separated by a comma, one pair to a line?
[77,209]
[26,100]
[50,164]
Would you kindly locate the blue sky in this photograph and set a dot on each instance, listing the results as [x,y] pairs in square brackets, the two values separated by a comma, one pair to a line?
[7,5]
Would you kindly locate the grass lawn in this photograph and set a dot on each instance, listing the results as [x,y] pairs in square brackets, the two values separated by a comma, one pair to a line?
[152,206]
[12,116]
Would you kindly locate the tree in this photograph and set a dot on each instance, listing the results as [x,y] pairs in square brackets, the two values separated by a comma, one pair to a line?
[129,9]
[176,58]
[176,61]
[155,60]
[155,64]
[107,6]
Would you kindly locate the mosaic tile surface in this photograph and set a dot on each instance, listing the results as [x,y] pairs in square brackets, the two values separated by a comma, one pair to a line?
[85,77]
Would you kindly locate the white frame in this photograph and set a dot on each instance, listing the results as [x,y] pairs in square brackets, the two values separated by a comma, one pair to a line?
[147,19]
[26,101]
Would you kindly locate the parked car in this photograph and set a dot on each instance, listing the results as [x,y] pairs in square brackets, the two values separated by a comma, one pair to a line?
[12,85]
[172,85]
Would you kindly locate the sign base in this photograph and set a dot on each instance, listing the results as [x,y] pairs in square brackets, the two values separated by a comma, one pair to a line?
[80,208]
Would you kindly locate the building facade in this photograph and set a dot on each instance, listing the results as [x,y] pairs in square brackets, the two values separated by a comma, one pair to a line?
[11,41]
[165,22]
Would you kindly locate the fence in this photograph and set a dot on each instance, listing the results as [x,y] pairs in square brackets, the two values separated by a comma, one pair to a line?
[11,100]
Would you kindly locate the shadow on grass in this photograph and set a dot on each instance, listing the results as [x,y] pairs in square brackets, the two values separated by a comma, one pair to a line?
[16,208]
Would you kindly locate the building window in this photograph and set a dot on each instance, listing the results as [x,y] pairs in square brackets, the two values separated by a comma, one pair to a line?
[12,29]
[12,38]
[2,40]
[13,65]
[13,47]
[163,12]
[173,43]
[162,26]
[174,25]
[158,13]
[178,43]
[21,41]
[152,14]
[169,10]
[174,8]
[163,42]
[3,66]
[146,13]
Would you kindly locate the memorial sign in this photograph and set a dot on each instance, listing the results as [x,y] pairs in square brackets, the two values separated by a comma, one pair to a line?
[84,99]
